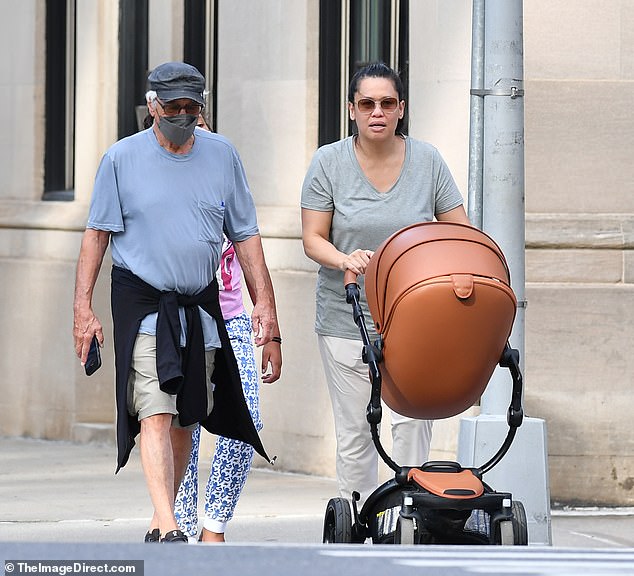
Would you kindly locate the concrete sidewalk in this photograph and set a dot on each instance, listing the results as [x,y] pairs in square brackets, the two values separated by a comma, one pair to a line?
[63,492]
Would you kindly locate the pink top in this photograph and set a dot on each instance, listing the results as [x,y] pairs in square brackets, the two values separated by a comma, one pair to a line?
[230,282]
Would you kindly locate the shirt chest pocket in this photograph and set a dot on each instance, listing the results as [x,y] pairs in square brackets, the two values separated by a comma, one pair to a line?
[210,221]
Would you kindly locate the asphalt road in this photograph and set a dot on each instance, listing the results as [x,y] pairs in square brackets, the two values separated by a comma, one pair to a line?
[62,501]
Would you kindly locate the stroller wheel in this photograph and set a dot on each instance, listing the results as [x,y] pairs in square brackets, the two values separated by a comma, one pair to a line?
[506,533]
[338,522]
[520,529]
[405,531]
[513,532]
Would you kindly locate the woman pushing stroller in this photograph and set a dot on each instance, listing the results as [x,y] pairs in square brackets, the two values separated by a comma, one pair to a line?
[356,193]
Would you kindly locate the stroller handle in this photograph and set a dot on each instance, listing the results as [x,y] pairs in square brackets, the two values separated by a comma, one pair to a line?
[349,277]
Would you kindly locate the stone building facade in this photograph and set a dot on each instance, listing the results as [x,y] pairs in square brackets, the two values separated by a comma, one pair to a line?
[579,194]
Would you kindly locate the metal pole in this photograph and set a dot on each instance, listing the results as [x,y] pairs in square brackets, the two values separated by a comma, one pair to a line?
[476,115]
[496,188]
[503,171]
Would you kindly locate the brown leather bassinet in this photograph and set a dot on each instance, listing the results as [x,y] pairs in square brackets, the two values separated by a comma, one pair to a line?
[440,297]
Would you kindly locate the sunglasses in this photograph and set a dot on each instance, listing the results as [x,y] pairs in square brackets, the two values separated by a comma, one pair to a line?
[174,108]
[367,105]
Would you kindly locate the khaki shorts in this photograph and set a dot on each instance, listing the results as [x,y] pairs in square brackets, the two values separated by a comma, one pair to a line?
[145,398]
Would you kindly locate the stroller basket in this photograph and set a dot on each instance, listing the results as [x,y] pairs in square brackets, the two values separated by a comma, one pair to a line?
[440,297]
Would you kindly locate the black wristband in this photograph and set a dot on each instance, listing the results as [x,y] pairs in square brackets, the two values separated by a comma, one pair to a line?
[276,339]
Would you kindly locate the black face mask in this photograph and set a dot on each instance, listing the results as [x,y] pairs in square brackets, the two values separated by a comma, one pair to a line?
[178,129]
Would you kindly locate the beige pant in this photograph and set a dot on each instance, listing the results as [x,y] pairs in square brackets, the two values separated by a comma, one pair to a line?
[349,387]
[145,398]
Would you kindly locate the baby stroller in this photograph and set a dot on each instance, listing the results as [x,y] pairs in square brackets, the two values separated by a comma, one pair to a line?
[440,297]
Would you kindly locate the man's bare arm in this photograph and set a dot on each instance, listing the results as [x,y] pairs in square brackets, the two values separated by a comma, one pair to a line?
[258,279]
[85,324]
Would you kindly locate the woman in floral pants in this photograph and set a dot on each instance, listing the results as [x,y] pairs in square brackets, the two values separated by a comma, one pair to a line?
[231,462]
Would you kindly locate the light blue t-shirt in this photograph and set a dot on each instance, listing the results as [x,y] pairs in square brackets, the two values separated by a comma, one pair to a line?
[167,213]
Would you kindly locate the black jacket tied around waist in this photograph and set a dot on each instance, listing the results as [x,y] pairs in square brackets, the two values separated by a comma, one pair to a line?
[180,371]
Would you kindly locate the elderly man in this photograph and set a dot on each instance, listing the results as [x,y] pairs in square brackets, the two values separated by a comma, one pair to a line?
[163,198]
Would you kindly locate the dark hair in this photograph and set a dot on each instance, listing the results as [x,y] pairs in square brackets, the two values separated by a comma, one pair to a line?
[147,121]
[379,70]
[206,119]
[375,70]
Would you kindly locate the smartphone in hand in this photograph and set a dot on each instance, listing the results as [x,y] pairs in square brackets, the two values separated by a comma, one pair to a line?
[93,362]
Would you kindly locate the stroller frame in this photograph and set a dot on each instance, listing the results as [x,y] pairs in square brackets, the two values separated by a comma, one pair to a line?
[453,515]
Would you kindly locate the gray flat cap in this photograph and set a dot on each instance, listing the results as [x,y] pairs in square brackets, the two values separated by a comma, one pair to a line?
[174,80]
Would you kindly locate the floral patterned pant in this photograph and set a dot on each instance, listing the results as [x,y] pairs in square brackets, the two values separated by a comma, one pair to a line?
[231,461]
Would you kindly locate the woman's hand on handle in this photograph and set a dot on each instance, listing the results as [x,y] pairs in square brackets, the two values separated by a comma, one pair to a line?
[357,261]
[354,265]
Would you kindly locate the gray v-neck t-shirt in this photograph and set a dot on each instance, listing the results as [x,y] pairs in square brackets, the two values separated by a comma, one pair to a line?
[363,218]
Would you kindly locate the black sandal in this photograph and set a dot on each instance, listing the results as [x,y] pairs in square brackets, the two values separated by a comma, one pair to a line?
[175,536]
[153,536]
